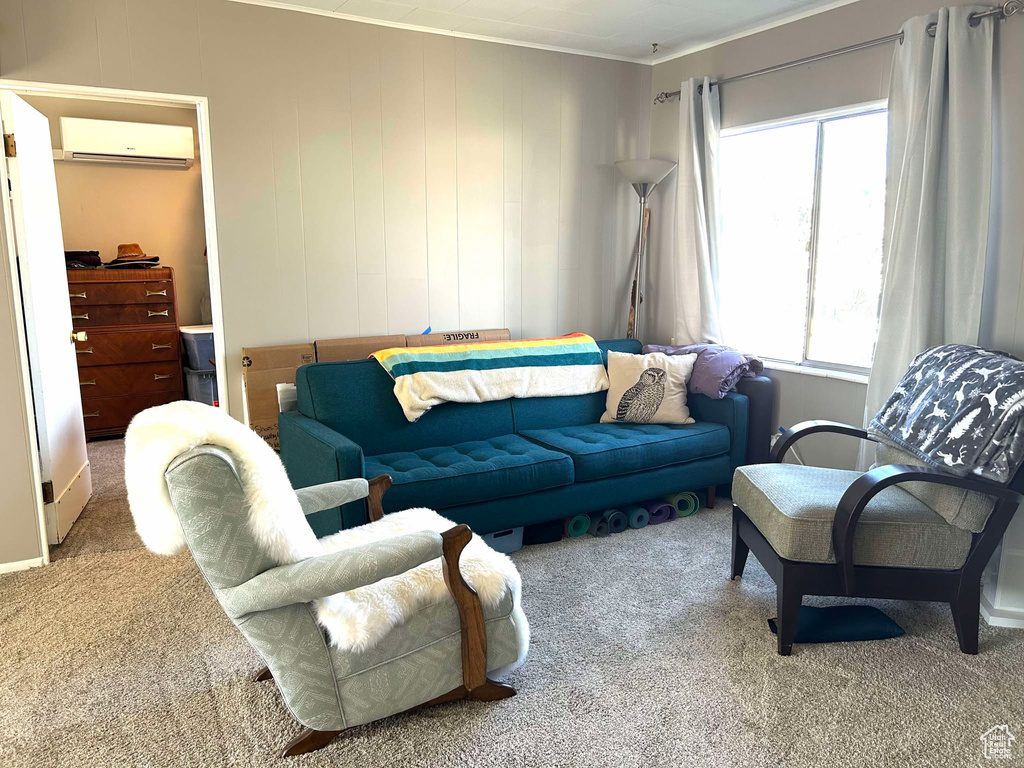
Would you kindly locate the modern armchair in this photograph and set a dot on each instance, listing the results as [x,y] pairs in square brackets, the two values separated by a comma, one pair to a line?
[442,652]
[899,531]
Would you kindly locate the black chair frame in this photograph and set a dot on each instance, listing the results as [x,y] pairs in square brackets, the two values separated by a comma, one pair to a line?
[960,588]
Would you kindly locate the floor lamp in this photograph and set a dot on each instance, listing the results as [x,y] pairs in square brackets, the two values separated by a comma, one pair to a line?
[644,175]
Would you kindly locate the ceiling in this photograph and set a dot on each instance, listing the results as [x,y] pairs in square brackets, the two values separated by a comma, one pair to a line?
[618,28]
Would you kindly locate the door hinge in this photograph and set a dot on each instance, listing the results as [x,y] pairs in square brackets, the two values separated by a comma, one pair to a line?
[10,147]
[47,492]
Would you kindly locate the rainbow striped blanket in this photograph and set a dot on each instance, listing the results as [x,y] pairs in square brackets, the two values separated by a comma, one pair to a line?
[493,370]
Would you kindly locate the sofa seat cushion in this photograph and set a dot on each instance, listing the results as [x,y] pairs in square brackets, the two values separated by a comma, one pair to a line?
[466,473]
[607,450]
[793,507]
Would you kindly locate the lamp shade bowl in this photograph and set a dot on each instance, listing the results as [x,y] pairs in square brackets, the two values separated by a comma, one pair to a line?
[649,171]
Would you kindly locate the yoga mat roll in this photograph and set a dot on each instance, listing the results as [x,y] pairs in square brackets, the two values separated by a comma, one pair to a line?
[577,525]
[638,516]
[685,502]
[617,520]
[598,525]
[660,510]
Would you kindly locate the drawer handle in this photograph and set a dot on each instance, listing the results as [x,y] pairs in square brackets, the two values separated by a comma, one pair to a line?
[86,351]
[93,415]
[161,346]
[80,317]
[162,313]
[90,383]
[160,376]
[156,293]
[78,295]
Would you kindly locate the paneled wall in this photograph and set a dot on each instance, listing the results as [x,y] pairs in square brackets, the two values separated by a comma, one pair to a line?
[375,180]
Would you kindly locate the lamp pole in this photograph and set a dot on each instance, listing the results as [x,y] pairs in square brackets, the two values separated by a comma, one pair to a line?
[636,293]
[644,175]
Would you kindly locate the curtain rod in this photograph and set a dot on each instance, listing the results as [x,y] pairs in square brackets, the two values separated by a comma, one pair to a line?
[1004,11]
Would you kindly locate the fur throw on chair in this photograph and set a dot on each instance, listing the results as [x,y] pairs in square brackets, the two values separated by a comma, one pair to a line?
[355,620]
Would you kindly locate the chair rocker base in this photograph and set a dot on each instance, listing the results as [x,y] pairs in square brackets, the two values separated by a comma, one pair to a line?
[263,675]
[793,580]
[311,740]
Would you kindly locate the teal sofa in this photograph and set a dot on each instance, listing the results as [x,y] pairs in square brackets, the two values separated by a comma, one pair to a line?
[502,464]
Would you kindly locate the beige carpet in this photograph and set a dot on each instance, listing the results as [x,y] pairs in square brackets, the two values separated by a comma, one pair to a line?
[644,654]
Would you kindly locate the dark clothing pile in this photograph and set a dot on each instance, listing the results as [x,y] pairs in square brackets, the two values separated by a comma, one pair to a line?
[82,259]
[718,368]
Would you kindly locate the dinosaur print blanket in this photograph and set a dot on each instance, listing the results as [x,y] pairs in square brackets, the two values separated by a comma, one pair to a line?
[959,408]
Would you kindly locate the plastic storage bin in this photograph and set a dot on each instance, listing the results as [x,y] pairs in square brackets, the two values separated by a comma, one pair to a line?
[201,386]
[198,342]
[509,540]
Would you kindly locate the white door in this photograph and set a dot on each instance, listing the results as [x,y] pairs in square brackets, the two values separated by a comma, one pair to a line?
[34,214]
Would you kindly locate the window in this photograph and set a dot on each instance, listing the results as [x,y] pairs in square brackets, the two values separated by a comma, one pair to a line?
[800,249]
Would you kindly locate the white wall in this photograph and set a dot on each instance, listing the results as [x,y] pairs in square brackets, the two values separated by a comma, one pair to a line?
[369,179]
[850,79]
[20,537]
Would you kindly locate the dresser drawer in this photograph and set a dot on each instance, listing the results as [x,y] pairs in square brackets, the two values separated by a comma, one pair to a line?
[122,314]
[128,347]
[114,413]
[89,294]
[111,380]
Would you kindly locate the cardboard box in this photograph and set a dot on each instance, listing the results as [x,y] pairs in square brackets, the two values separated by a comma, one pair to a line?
[333,350]
[263,368]
[457,337]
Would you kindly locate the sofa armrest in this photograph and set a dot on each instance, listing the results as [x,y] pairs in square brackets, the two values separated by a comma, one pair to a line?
[318,577]
[731,411]
[315,454]
[760,392]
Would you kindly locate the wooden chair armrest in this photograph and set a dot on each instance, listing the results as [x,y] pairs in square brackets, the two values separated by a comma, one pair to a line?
[375,500]
[471,613]
[805,428]
[870,484]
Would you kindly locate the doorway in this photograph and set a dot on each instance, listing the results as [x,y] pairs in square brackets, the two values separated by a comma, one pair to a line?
[139,283]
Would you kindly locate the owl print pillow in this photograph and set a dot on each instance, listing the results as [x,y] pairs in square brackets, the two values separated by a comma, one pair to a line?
[648,389]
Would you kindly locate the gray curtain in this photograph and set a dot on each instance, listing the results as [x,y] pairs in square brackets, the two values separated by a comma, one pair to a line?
[695,254]
[939,193]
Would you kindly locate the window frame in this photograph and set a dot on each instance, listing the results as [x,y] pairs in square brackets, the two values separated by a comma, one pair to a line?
[821,117]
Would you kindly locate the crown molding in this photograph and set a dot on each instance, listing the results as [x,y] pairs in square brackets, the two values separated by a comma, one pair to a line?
[435,31]
[654,61]
[650,61]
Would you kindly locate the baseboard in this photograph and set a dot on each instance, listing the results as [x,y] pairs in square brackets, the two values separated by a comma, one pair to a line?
[996,617]
[21,565]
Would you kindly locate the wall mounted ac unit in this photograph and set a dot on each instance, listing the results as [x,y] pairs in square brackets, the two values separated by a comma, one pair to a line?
[110,141]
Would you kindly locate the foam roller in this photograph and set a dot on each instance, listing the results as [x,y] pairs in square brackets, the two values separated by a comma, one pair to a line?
[685,502]
[637,515]
[617,520]
[598,525]
[660,510]
[577,525]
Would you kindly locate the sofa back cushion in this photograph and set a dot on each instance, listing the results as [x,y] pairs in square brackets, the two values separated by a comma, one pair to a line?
[574,411]
[356,398]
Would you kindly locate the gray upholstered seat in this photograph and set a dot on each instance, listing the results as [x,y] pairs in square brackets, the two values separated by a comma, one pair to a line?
[794,506]
[325,688]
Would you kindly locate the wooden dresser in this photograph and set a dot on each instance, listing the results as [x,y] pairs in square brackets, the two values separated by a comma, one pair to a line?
[132,358]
